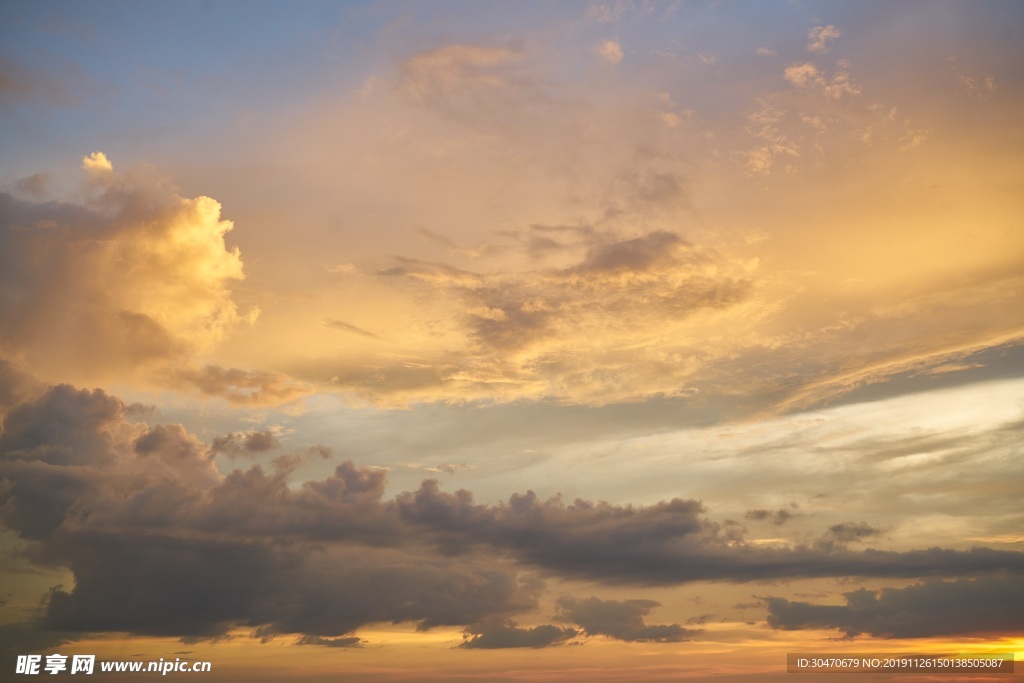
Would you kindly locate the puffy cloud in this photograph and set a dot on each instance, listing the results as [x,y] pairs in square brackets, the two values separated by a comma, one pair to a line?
[98,164]
[622,620]
[966,607]
[494,635]
[160,543]
[132,281]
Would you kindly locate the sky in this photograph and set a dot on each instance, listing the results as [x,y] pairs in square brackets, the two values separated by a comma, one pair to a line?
[511,341]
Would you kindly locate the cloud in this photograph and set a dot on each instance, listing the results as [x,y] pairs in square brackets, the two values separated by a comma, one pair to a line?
[622,620]
[131,281]
[168,585]
[246,387]
[97,164]
[808,76]
[965,607]
[160,542]
[245,443]
[819,37]
[506,634]
[663,544]
[777,517]
[610,51]
[595,330]
[352,641]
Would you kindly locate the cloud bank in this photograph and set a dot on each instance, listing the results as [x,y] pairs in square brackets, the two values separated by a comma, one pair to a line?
[161,543]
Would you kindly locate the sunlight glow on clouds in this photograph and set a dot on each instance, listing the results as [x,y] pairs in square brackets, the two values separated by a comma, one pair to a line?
[547,341]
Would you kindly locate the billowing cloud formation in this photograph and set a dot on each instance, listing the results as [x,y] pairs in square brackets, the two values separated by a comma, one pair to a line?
[135,274]
[622,619]
[142,511]
[160,543]
[965,607]
[134,280]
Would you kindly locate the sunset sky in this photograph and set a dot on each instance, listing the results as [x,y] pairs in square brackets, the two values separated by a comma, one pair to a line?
[511,341]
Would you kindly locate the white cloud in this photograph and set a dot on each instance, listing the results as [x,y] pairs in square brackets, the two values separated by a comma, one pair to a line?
[97,163]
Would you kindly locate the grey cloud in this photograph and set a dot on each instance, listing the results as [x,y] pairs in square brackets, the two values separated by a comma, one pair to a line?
[33,186]
[853,531]
[352,641]
[927,609]
[662,544]
[433,273]
[15,386]
[621,619]
[246,387]
[348,327]
[165,585]
[839,535]
[237,443]
[777,517]
[639,254]
[494,635]
[159,542]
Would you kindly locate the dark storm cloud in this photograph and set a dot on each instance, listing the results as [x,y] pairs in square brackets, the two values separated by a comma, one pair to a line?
[622,620]
[493,635]
[931,608]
